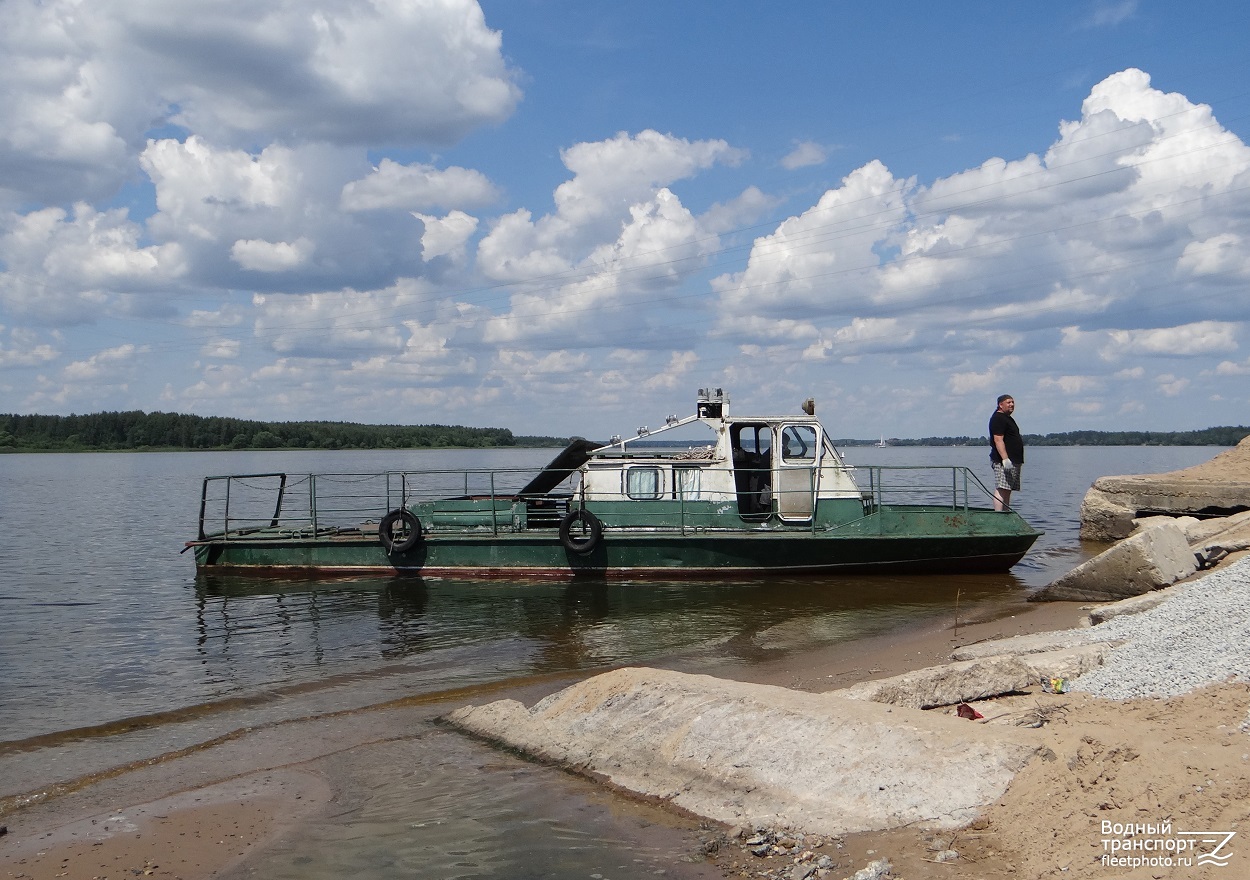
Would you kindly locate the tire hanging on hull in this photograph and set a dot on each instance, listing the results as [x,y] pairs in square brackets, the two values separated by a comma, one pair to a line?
[588,536]
[403,539]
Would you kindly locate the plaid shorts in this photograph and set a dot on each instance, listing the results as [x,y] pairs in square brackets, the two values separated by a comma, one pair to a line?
[1002,480]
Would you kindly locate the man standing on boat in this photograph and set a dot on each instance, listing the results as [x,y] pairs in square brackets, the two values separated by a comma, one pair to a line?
[1006,452]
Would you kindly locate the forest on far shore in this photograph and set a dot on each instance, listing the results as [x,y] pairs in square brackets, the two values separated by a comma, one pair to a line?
[1221,436]
[108,431]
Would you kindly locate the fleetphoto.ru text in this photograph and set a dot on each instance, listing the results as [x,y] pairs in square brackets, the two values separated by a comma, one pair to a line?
[1159,845]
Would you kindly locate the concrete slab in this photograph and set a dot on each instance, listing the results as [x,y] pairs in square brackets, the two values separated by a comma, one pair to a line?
[1153,558]
[1132,605]
[1219,485]
[979,678]
[758,755]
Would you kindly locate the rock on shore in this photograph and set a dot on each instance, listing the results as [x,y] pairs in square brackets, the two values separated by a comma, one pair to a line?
[1162,551]
[1168,545]
[1156,557]
[1219,486]
[758,755]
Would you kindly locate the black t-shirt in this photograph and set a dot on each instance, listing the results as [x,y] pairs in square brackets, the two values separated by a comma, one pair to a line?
[1001,423]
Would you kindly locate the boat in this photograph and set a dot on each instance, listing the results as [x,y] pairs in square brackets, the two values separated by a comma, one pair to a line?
[746,496]
[881,444]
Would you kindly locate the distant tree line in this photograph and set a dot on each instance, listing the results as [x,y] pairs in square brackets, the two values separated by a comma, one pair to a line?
[140,430]
[1221,436]
[1227,435]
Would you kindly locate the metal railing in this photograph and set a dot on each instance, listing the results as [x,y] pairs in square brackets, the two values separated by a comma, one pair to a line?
[285,504]
[291,505]
[951,486]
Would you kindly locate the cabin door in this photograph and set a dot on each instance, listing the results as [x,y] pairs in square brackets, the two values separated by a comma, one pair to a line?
[798,468]
[752,446]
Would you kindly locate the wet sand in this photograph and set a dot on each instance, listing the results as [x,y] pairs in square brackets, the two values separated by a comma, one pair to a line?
[221,810]
[198,833]
[161,821]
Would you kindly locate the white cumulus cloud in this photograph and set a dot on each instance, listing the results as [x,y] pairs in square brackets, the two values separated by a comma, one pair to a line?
[418,187]
[82,83]
[271,256]
[803,155]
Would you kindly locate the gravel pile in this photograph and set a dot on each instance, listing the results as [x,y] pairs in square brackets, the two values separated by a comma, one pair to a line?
[1199,636]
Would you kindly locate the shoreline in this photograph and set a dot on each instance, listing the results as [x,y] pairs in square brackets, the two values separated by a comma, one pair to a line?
[201,831]
[182,819]
[1180,762]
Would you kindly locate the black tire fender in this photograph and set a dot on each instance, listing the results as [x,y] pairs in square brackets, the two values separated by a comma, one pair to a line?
[588,536]
[411,531]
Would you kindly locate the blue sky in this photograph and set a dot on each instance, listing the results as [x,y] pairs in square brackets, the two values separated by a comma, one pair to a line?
[565,217]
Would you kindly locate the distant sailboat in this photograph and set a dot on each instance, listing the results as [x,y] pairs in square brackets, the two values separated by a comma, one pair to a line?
[881,444]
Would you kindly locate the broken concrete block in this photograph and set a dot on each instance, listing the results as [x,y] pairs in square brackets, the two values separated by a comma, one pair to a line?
[1219,486]
[1156,557]
[946,685]
[1106,515]
[979,678]
[1133,605]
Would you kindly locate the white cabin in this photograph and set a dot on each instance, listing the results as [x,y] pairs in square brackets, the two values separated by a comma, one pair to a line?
[764,465]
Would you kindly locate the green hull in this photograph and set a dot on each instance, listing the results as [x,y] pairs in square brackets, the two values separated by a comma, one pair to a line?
[911,538]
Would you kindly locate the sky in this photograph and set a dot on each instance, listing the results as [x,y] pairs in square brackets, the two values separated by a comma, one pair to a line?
[564,218]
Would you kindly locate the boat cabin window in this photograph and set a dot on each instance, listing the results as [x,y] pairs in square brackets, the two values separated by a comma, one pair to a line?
[798,443]
[688,483]
[752,441]
[643,483]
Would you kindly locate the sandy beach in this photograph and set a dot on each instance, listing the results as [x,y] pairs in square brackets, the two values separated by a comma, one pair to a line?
[1183,760]
[1186,760]
[197,833]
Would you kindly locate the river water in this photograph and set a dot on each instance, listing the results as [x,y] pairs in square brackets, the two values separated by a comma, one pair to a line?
[104,621]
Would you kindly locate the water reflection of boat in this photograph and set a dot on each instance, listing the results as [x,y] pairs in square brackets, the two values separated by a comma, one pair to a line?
[757,494]
[456,631]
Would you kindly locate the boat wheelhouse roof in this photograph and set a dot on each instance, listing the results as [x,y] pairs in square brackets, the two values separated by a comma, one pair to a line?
[712,409]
